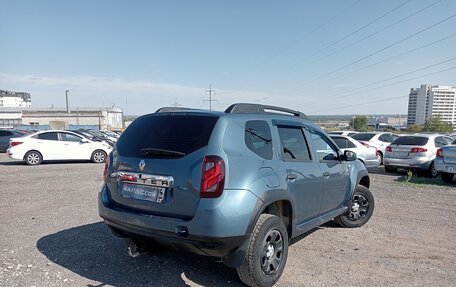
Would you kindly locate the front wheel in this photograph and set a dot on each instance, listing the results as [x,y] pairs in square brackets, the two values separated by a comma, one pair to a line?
[266,254]
[361,209]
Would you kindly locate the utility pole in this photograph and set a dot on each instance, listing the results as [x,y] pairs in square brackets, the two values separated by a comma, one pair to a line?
[176,103]
[210,92]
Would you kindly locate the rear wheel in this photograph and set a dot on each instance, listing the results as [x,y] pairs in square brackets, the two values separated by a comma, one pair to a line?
[447,177]
[98,156]
[431,172]
[33,158]
[380,157]
[361,209]
[266,254]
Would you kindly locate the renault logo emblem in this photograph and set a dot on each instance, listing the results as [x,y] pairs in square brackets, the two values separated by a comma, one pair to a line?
[142,164]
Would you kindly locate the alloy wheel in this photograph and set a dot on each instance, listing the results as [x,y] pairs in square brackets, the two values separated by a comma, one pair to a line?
[271,257]
[359,208]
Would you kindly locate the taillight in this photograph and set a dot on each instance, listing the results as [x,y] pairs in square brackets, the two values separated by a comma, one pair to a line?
[439,153]
[418,149]
[106,168]
[15,143]
[213,177]
[389,148]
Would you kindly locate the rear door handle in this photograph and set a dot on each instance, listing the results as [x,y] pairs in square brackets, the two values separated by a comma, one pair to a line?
[292,176]
[326,174]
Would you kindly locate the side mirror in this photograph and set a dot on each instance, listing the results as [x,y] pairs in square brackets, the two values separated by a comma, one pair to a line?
[349,155]
[84,141]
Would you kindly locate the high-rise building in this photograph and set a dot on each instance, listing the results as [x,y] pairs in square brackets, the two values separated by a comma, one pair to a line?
[428,101]
[15,99]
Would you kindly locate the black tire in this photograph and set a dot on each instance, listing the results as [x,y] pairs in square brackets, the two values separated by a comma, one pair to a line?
[98,156]
[33,157]
[390,169]
[267,253]
[361,209]
[447,177]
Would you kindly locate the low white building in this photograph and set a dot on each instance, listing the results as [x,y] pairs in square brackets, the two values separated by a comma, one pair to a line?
[60,118]
[15,99]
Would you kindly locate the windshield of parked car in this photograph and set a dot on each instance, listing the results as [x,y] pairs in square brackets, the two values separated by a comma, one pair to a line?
[411,140]
[363,136]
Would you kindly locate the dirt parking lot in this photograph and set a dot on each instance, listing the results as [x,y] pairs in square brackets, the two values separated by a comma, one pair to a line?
[51,235]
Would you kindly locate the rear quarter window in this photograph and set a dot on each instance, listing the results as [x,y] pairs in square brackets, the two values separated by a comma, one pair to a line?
[182,133]
[258,138]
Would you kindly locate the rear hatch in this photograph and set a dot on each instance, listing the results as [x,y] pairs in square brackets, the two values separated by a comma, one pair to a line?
[157,164]
[408,146]
[449,154]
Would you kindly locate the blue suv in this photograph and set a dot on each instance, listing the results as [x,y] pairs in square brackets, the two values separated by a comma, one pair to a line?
[237,185]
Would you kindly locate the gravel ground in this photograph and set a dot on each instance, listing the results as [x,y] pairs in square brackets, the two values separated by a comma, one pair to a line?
[51,235]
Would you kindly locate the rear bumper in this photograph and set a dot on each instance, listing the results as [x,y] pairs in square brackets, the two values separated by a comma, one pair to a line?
[441,166]
[218,228]
[416,163]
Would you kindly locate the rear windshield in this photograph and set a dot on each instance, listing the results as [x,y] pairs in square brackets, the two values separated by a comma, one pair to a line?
[180,133]
[363,137]
[411,140]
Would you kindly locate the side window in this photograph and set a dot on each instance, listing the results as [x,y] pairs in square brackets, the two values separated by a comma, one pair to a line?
[350,144]
[258,138]
[48,136]
[340,142]
[441,141]
[294,145]
[323,147]
[69,137]
[385,138]
[3,133]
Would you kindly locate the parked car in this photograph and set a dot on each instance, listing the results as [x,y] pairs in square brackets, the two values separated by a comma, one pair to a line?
[445,162]
[92,137]
[415,152]
[343,133]
[236,185]
[56,145]
[380,140]
[6,135]
[367,155]
[97,136]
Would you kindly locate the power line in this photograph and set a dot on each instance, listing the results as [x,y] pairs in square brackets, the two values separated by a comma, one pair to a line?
[349,92]
[395,57]
[384,86]
[375,33]
[387,47]
[302,38]
[346,36]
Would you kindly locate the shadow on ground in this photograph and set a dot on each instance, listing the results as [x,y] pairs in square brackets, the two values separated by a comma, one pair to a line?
[93,252]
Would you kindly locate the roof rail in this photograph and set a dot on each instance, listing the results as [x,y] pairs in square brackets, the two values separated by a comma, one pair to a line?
[172,109]
[243,108]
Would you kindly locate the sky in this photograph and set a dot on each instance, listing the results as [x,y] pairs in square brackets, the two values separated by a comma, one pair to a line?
[319,57]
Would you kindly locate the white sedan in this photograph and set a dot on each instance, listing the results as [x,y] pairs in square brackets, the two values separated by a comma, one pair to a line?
[57,145]
[367,155]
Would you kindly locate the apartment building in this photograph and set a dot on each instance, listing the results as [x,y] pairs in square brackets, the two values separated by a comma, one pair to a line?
[428,101]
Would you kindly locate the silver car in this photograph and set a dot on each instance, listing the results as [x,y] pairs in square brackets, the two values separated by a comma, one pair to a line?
[367,155]
[415,152]
[445,162]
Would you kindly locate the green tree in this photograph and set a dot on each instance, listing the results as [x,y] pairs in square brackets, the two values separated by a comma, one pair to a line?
[360,124]
[414,129]
[437,125]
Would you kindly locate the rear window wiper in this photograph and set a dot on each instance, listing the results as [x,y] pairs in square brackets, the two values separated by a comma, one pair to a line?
[158,151]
